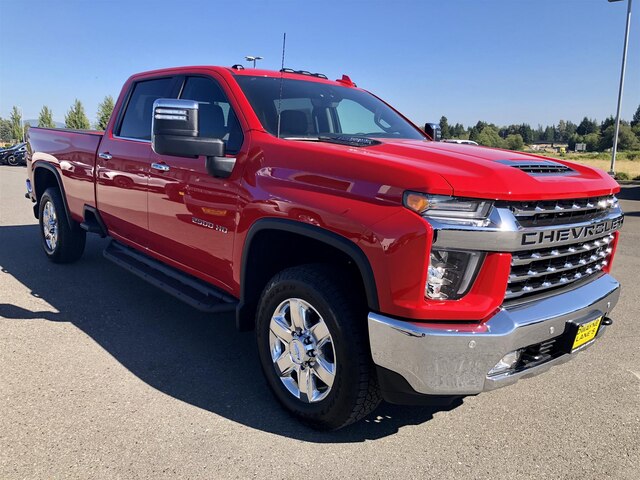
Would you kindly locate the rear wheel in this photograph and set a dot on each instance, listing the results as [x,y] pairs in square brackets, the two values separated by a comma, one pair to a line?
[12,160]
[313,347]
[61,243]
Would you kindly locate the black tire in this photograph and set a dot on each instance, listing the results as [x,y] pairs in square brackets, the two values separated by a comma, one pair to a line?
[354,393]
[70,241]
[11,160]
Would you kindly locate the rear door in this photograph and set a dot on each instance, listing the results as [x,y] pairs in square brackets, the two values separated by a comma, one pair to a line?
[122,166]
[192,215]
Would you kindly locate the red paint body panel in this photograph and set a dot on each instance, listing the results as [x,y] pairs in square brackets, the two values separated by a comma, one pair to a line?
[350,191]
[73,155]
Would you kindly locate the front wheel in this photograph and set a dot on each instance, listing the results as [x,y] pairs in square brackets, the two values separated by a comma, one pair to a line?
[61,242]
[11,160]
[313,347]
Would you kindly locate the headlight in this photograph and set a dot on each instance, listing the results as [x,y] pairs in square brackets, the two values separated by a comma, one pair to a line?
[450,273]
[452,208]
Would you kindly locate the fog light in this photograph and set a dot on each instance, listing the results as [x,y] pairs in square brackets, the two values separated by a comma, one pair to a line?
[506,363]
[451,273]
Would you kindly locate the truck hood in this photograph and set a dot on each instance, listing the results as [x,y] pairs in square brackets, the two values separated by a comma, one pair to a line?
[483,172]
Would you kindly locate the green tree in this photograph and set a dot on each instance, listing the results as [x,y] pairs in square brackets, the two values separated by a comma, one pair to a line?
[526,132]
[490,137]
[457,131]
[636,118]
[504,132]
[27,126]
[76,118]
[5,130]
[444,127]
[45,118]
[549,135]
[564,130]
[610,120]
[627,139]
[475,131]
[15,120]
[104,113]
[514,142]
[587,126]
[573,139]
[592,141]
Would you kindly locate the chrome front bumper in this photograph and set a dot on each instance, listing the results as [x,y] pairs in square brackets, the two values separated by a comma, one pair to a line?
[439,361]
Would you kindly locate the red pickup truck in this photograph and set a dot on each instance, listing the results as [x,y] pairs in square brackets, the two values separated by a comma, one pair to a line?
[372,262]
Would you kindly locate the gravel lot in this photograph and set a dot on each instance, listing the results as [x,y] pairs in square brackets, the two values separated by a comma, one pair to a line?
[103,376]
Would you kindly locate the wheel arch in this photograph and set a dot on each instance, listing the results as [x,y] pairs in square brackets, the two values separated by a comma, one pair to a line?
[45,175]
[253,277]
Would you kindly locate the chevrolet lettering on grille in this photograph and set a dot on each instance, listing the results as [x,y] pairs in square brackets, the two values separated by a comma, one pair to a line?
[579,233]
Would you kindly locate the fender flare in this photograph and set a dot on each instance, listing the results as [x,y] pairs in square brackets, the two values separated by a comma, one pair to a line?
[56,174]
[332,239]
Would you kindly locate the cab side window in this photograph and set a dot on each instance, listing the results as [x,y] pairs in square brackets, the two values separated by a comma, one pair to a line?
[216,117]
[136,122]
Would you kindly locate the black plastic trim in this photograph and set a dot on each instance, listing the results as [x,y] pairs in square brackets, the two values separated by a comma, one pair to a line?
[98,227]
[317,233]
[395,389]
[56,174]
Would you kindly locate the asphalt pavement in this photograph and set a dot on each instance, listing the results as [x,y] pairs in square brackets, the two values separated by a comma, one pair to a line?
[104,376]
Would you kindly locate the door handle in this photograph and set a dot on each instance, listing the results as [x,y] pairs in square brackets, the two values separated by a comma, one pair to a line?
[105,156]
[162,167]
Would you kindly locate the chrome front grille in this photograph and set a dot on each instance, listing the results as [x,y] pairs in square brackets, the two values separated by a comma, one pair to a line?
[543,213]
[541,269]
[552,243]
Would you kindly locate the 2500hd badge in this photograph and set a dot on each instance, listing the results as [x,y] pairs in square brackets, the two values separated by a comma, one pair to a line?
[584,232]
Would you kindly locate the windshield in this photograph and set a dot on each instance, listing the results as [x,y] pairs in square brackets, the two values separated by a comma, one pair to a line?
[314,109]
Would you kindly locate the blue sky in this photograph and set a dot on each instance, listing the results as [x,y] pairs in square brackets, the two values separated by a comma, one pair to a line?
[503,61]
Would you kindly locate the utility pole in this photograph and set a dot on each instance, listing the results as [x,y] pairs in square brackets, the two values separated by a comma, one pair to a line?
[612,170]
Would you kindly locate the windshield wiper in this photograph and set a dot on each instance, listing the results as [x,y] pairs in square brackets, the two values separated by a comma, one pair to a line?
[351,140]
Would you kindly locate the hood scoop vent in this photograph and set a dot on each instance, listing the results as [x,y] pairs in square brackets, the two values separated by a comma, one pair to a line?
[539,167]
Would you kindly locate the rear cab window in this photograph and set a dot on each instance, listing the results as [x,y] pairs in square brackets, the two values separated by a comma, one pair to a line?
[136,121]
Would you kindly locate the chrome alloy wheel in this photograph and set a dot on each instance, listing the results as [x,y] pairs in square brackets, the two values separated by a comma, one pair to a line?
[50,226]
[302,350]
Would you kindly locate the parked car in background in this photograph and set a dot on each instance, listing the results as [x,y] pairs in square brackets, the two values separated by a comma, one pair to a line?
[15,155]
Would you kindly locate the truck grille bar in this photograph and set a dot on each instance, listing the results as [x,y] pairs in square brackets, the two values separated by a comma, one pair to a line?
[543,213]
[533,271]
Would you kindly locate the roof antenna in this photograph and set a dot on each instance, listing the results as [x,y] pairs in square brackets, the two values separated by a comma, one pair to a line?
[284,44]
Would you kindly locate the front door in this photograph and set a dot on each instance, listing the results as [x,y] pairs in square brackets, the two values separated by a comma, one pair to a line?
[122,166]
[192,215]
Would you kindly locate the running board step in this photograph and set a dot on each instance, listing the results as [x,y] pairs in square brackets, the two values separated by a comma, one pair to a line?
[187,288]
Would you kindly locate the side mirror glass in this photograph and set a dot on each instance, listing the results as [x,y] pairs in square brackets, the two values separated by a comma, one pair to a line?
[433,130]
[175,132]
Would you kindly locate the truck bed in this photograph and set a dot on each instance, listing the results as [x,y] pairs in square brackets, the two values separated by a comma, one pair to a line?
[72,153]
